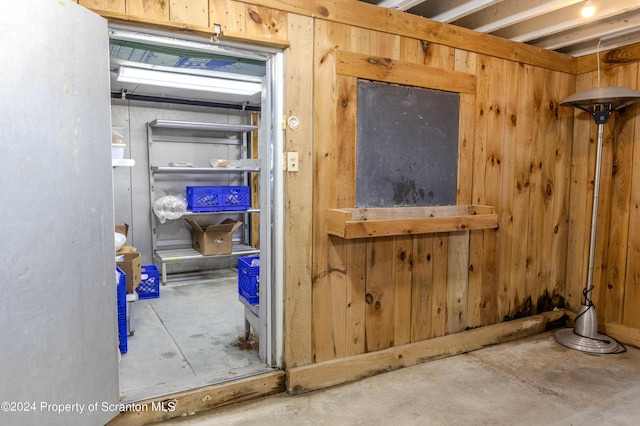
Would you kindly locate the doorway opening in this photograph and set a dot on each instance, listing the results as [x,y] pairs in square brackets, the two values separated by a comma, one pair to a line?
[197,118]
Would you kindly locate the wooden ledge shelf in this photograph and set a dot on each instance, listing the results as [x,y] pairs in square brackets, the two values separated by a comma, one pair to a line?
[384,222]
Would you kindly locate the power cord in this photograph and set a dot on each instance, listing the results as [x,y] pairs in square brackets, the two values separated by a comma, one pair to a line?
[590,305]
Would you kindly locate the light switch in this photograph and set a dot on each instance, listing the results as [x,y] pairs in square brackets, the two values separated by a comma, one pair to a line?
[292,161]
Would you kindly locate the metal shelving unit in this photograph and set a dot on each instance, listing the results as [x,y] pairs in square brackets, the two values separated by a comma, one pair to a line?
[176,248]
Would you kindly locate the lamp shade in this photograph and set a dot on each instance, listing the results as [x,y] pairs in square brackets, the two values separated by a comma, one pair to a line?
[602,99]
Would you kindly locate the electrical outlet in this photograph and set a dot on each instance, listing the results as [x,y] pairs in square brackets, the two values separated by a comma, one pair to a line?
[292,161]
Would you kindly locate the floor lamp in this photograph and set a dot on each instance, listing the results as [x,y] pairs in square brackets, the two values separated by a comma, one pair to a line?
[600,102]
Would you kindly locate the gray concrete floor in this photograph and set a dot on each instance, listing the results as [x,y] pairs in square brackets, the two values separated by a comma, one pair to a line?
[193,335]
[531,381]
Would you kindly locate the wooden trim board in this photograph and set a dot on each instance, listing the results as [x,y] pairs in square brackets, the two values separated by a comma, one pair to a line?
[189,402]
[343,370]
[406,73]
[622,333]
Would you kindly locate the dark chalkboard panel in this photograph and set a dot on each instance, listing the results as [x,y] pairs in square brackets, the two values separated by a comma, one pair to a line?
[407,146]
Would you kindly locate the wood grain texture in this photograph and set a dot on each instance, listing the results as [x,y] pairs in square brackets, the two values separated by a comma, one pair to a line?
[117,6]
[618,230]
[422,287]
[194,12]
[299,200]
[631,313]
[508,179]
[494,115]
[361,14]
[380,294]
[154,9]
[328,310]
[204,398]
[385,69]
[266,22]
[330,373]
[231,16]
[520,303]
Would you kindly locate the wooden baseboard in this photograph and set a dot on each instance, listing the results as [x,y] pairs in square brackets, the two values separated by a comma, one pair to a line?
[338,371]
[622,333]
[201,399]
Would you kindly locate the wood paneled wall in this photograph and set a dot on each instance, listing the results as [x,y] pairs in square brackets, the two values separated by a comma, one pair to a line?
[518,151]
[514,154]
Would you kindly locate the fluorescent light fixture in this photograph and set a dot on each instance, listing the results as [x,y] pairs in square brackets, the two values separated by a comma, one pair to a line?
[588,10]
[187,81]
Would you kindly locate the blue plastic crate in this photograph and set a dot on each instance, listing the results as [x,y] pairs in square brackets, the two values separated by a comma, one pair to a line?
[249,279]
[149,287]
[121,292]
[121,299]
[217,198]
[122,333]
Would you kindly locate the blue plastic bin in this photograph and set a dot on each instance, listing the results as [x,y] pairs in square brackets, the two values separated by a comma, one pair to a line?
[149,287]
[217,198]
[249,279]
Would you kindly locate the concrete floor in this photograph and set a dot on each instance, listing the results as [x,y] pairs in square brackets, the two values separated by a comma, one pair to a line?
[531,381]
[193,335]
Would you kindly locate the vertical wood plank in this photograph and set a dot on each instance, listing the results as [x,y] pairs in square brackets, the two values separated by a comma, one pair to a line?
[518,296]
[476,252]
[194,12]
[421,287]
[536,200]
[578,243]
[623,149]
[561,89]
[356,290]
[439,291]
[457,281]
[326,308]
[508,179]
[266,23]
[465,62]
[149,9]
[411,50]
[117,6]
[231,16]
[604,204]
[494,114]
[402,289]
[384,45]
[547,129]
[379,311]
[299,200]
[345,195]
[337,257]
[444,58]
[631,314]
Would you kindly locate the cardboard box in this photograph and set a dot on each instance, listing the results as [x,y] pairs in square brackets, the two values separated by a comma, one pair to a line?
[127,249]
[209,238]
[123,229]
[132,267]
